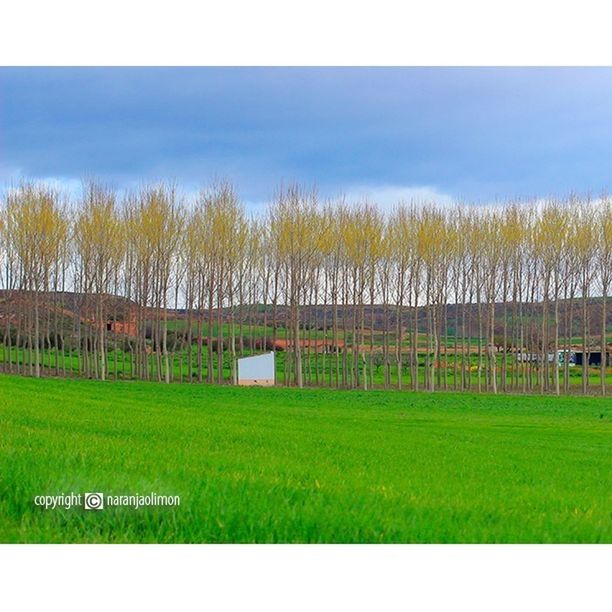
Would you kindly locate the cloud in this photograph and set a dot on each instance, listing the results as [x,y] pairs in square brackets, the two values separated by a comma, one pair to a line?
[387,196]
[68,187]
[383,196]
[71,187]
[9,175]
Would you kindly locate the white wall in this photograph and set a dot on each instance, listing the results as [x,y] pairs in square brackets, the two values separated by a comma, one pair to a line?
[258,367]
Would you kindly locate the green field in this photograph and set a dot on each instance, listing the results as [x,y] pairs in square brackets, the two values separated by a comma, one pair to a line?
[319,369]
[287,465]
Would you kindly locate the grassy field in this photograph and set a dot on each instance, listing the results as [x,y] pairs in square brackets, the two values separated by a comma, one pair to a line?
[284,465]
[120,366]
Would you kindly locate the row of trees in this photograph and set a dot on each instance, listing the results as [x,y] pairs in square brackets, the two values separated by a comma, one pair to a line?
[421,297]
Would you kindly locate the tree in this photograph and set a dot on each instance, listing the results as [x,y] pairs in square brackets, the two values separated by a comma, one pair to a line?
[99,240]
[604,255]
[36,227]
[295,219]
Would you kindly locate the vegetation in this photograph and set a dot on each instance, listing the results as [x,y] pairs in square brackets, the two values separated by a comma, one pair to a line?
[312,465]
[426,297]
[320,370]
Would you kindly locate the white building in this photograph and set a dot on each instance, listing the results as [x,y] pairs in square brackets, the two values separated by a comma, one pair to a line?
[537,357]
[257,370]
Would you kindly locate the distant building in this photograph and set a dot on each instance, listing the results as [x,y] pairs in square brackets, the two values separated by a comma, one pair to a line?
[126,328]
[258,370]
[550,357]
[317,346]
[120,313]
[594,356]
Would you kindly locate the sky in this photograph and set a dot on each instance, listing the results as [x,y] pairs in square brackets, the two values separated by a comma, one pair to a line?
[383,134]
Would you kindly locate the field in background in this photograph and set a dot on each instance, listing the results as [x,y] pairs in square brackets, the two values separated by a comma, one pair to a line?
[321,369]
[186,346]
[285,465]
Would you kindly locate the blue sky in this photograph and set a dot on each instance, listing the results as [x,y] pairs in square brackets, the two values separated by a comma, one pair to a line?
[384,133]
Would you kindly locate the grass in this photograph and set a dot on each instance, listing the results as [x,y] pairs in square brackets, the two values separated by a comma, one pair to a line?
[287,465]
[120,366]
